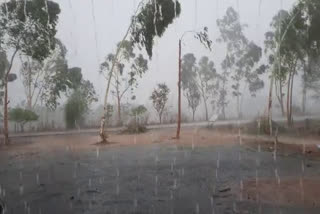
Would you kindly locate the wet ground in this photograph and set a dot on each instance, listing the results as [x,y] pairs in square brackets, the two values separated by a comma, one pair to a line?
[159,177]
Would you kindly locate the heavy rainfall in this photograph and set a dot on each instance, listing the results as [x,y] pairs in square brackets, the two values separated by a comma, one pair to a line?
[160,106]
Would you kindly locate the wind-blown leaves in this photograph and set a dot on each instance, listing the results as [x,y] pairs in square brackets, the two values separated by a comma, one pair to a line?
[149,22]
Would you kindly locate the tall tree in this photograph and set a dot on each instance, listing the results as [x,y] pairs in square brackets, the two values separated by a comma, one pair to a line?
[242,55]
[28,27]
[159,98]
[82,96]
[150,20]
[189,85]
[124,78]
[206,80]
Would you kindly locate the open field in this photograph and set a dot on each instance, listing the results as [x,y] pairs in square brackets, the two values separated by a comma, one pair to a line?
[206,171]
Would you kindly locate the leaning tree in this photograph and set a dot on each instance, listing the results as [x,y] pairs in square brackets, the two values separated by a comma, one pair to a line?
[28,27]
[150,20]
[130,66]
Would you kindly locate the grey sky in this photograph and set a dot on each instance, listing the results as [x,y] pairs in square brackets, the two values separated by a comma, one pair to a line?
[77,31]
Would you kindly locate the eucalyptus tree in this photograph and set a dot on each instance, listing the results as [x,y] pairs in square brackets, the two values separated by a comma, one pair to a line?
[207,81]
[242,55]
[203,38]
[150,20]
[188,80]
[307,22]
[129,67]
[159,98]
[27,27]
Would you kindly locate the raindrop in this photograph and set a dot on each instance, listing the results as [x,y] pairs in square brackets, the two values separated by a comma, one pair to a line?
[175,8]
[94,28]
[195,13]
[97,152]
[118,172]
[89,183]
[79,192]
[21,189]
[160,11]
[182,172]
[155,17]
[48,23]
[257,178]
[21,176]
[135,204]
[197,208]
[37,179]
[302,166]
[175,184]
[135,139]
[117,189]
[301,189]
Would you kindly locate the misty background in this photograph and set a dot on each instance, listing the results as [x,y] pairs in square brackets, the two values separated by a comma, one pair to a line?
[90,29]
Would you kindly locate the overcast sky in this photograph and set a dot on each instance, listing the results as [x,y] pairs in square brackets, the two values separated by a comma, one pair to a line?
[90,30]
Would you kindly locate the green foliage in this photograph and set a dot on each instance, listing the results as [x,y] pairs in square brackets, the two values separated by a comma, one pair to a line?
[22,116]
[159,98]
[137,111]
[27,27]
[79,103]
[75,109]
[242,55]
[153,19]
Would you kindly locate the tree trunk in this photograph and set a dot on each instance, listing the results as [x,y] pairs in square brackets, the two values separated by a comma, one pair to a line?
[179,94]
[288,101]
[119,110]
[291,92]
[238,106]
[5,113]
[206,108]
[304,92]
[193,113]
[270,105]
[102,131]
[281,100]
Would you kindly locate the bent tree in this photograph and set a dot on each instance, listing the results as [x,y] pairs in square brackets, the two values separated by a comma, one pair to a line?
[150,19]
[129,67]
[27,27]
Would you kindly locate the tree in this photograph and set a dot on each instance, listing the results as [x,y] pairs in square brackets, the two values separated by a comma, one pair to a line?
[124,79]
[207,81]
[27,27]
[159,99]
[142,31]
[22,116]
[306,21]
[204,39]
[242,55]
[79,101]
[188,80]
[3,67]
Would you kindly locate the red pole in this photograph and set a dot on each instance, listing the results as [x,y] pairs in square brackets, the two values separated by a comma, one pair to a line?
[179,93]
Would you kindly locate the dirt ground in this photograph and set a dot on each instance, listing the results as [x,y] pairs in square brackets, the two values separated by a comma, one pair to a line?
[206,171]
